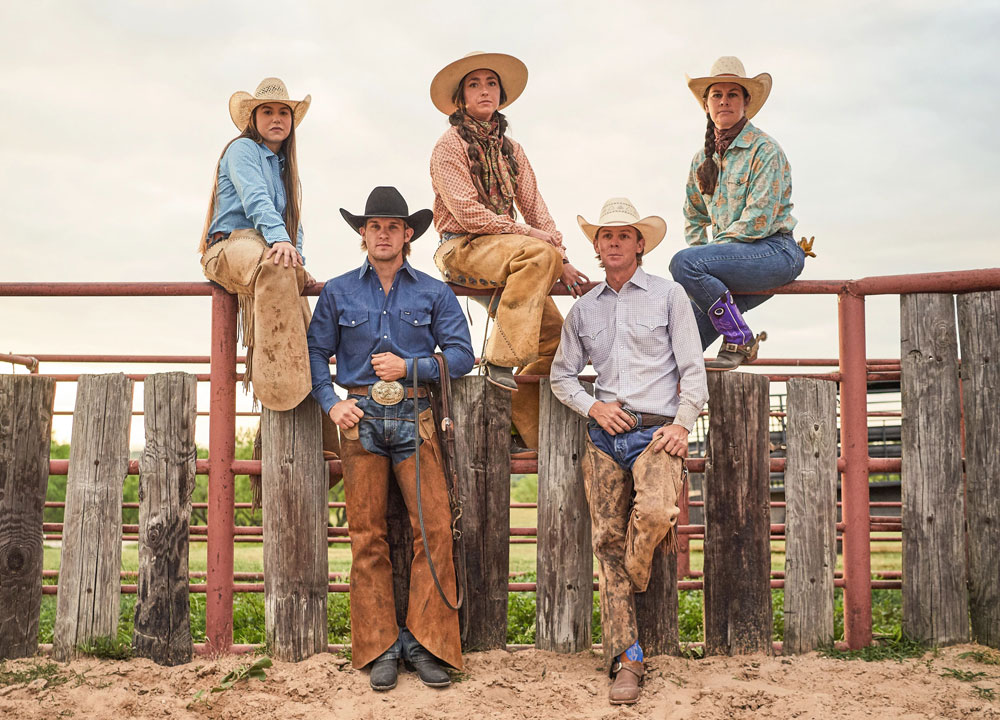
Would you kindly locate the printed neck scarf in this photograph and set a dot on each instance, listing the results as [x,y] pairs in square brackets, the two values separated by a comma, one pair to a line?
[495,182]
[723,138]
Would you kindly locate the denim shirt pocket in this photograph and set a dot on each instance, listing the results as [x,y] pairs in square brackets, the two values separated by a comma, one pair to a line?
[414,329]
[355,331]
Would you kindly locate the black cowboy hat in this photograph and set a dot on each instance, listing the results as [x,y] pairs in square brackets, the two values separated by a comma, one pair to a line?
[386,202]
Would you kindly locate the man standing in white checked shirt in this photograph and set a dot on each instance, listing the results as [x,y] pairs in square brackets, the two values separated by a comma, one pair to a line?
[640,334]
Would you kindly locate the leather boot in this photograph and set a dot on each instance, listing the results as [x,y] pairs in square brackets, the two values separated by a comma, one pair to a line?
[625,687]
[739,344]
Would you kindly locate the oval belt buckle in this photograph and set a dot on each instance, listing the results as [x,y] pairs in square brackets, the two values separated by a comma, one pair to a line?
[388,393]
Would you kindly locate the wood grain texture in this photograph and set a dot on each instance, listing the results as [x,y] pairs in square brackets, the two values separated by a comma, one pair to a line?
[979,333]
[935,596]
[810,513]
[656,609]
[295,519]
[89,586]
[737,516]
[25,432]
[162,630]
[482,446]
[565,565]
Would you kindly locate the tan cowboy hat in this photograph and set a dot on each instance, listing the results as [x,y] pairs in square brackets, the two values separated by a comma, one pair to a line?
[619,212]
[730,69]
[513,77]
[241,104]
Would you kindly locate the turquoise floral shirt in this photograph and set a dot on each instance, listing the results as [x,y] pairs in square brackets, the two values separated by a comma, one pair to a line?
[753,197]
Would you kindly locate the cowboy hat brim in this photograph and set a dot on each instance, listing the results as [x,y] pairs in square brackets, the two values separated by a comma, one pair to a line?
[653,229]
[242,104]
[418,221]
[759,87]
[513,77]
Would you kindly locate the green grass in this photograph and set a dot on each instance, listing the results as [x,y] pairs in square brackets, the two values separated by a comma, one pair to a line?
[41,669]
[985,656]
[898,647]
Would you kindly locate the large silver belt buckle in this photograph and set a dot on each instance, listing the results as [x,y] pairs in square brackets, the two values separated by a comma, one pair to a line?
[388,393]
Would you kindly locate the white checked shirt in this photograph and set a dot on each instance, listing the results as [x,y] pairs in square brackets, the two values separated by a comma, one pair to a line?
[641,341]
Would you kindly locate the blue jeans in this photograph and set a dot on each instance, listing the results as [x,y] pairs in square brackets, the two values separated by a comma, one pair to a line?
[625,447]
[381,433]
[403,647]
[706,272]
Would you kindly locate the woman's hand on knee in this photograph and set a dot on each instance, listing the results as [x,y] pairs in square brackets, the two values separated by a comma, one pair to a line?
[284,252]
[573,279]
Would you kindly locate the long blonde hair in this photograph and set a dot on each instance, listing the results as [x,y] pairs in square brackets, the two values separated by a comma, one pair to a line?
[290,178]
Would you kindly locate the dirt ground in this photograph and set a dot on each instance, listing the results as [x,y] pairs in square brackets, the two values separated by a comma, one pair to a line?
[519,685]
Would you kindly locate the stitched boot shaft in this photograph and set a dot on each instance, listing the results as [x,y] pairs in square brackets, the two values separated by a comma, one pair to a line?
[609,489]
[728,320]
[658,479]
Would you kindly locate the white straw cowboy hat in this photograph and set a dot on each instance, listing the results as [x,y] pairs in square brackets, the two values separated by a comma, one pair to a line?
[620,212]
[730,69]
[242,104]
[513,77]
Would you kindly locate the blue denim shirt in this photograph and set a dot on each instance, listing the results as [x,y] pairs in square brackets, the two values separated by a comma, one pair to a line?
[354,319]
[250,193]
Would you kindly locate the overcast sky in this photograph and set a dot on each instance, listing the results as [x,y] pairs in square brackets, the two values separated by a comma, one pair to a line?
[116,112]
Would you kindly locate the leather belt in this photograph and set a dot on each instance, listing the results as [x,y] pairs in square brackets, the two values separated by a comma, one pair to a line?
[644,420]
[366,390]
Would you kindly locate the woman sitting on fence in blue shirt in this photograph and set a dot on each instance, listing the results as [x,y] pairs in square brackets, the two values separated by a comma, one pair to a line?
[740,184]
[247,245]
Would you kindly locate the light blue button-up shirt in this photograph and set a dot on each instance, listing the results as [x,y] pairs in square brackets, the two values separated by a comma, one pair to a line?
[251,194]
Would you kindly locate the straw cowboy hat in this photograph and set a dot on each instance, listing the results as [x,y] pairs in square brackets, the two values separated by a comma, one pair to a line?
[242,104]
[620,212]
[386,202]
[730,69]
[513,77]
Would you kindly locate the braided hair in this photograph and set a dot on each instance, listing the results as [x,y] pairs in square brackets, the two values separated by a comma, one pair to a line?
[708,171]
[457,119]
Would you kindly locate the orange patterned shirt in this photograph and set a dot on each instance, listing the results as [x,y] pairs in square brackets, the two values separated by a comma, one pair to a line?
[458,207]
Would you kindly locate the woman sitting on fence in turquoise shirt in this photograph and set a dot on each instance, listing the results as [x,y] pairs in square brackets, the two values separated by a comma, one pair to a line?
[740,185]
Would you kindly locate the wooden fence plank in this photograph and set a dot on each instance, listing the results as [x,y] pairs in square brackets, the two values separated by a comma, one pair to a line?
[979,333]
[737,516]
[89,587]
[565,597]
[482,440]
[162,629]
[25,432]
[295,518]
[656,609]
[810,513]
[935,597]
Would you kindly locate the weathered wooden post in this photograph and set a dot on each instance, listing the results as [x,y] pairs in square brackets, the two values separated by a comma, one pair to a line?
[482,442]
[656,609]
[810,513]
[162,630]
[979,333]
[295,518]
[737,516]
[89,596]
[25,432]
[565,589]
[935,597]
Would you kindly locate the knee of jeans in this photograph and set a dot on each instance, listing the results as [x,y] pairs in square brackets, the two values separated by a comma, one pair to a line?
[682,265]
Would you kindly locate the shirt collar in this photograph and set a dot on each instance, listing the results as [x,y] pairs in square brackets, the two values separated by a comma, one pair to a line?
[406,266]
[745,139]
[639,279]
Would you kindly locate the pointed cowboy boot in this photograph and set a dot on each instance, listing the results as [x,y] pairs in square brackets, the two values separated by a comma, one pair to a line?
[738,342]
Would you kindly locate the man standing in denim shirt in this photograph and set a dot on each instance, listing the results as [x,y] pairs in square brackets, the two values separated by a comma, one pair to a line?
[640,334]
[379,321]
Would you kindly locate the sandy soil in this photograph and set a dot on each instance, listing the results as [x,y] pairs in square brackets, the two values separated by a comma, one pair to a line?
[520,685]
